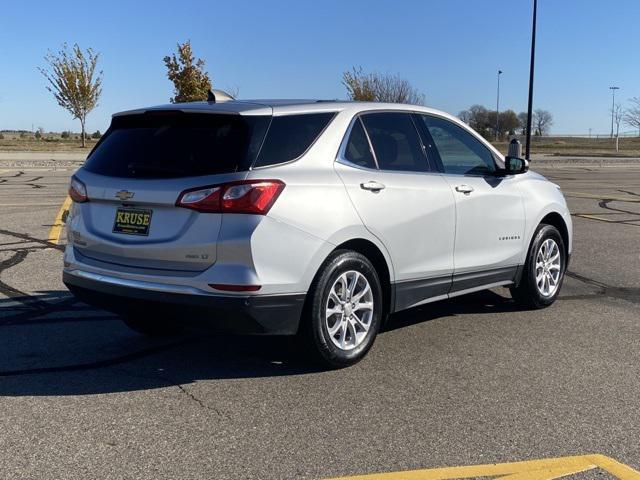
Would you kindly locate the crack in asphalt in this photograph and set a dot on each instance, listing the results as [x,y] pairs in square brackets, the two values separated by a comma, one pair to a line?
[629,192]
[30,182]
[604,204]
[25,236]
[12,292]
[200,402]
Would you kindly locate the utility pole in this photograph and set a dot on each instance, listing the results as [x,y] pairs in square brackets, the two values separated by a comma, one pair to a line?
[613,105]
[533,57]
[498,108]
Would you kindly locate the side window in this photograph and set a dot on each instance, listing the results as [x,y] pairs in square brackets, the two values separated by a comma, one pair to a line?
[395,141]
[357,150]
[460,152]
[289,136]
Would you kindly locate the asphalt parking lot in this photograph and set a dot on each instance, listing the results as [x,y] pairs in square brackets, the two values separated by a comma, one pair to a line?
[475,381]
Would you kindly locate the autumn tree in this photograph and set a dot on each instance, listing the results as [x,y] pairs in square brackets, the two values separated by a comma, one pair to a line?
[377,87]
[74,81]
[191,83]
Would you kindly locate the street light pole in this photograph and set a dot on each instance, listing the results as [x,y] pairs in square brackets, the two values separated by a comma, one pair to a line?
[498,108]
[613,105]
[533,57]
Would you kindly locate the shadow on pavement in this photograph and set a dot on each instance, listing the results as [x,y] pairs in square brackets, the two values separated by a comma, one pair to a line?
[72,349]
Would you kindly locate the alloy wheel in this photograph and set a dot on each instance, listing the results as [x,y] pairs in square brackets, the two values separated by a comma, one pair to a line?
[349,310]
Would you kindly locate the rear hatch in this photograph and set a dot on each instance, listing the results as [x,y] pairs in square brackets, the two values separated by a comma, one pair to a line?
[136,174]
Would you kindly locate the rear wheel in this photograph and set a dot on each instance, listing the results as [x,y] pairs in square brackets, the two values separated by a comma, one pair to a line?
[344,310]
[544,269]
[150,326]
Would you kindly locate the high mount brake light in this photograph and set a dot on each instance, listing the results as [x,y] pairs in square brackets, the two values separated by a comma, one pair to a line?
[77,191]
[248,196]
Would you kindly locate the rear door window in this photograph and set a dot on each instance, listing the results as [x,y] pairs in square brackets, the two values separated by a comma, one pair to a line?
[172,144]
[357,150]
[395,141]
[290,136]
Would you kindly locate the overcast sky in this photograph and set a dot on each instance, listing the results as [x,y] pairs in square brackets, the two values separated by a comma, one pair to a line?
[450,50]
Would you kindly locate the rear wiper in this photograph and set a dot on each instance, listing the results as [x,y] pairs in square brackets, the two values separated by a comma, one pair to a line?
[145,168]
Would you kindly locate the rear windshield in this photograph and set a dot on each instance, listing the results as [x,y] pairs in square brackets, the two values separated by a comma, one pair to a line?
[176,144]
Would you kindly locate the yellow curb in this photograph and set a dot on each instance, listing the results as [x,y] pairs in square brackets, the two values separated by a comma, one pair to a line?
[58,224]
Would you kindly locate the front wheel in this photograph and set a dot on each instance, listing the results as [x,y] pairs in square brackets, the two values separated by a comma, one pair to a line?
[344,310]
[544,269]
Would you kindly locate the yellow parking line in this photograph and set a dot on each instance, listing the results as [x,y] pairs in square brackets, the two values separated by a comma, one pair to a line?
[56,228]
[594,217]
[545,469]
[602,197]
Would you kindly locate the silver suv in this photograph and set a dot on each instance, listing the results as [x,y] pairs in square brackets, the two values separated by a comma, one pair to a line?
[305,217]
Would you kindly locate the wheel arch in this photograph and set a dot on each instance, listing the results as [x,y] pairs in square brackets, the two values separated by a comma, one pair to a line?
[379,261]
[555,219]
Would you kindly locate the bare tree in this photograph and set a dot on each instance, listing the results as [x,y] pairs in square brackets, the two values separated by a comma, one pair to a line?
[522,122]
[74,82]
[465,116]
[376,87]
[618,115]
[542,121]
[191,83]
[631,115]
[233,91]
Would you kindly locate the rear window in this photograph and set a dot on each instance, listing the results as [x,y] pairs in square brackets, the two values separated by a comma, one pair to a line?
[290,136]
[176,144]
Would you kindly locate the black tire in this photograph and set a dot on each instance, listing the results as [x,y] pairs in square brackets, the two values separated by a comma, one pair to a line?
[527,292]
[150,325]
[314,329]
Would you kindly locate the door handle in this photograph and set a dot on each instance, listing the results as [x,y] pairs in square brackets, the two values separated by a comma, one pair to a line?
[466,189]
[373,186]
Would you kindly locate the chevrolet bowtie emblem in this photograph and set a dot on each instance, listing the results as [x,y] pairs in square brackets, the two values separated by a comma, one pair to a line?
[124,195]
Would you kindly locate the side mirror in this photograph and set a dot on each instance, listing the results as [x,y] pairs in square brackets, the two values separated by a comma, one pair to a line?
[515,165]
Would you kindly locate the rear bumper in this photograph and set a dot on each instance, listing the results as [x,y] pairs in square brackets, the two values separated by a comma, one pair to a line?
[246,314]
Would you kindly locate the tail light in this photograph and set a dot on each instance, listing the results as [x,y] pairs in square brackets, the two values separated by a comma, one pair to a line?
[77,190]
[248,196]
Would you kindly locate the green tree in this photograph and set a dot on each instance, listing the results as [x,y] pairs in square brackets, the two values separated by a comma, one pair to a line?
[74,81]
[376,87]
[191,83]
[478,118]
[508,122]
